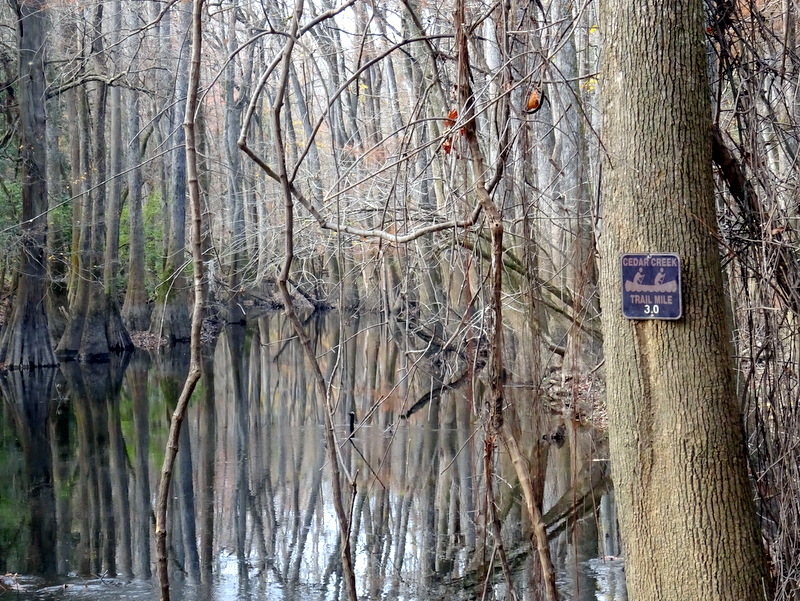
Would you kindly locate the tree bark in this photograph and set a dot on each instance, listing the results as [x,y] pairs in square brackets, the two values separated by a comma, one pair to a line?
[685,505]
[26,341]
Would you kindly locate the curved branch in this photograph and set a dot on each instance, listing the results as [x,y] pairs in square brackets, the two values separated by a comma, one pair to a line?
[283,278]
[195,361]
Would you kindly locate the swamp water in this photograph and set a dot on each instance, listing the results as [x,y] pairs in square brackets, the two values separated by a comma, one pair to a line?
[251,511]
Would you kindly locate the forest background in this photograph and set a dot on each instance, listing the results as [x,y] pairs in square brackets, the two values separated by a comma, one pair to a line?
[397,176]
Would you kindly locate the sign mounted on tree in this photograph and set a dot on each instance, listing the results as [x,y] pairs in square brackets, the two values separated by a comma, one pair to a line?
[651,286]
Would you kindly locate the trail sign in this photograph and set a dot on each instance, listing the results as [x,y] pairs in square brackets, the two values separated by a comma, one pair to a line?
[651,286]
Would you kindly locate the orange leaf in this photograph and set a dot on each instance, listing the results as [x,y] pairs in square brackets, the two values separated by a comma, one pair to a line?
[534,101]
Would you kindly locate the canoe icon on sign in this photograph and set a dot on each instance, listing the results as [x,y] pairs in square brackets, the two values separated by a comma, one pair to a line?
[671,286]
[658,285]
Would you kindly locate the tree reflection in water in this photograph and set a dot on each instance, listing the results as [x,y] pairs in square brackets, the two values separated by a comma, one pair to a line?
[251,507]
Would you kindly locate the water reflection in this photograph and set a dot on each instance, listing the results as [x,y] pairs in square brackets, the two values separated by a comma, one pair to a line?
[251,511]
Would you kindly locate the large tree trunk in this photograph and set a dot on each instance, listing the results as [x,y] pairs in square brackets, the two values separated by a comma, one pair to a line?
[135,310]
[95,327]
[685,505]
[94,345]
[26,340]
[80,260]
[116,333]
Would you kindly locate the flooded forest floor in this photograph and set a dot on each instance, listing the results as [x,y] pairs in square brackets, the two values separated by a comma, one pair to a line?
[251,511]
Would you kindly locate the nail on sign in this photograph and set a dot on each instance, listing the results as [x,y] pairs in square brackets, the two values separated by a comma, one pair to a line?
[651,286]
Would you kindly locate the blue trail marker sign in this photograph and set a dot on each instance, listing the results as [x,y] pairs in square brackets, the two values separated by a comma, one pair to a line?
[651,286]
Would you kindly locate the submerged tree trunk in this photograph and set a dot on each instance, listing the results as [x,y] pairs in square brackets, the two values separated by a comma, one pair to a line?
[26,340]
[686,514]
